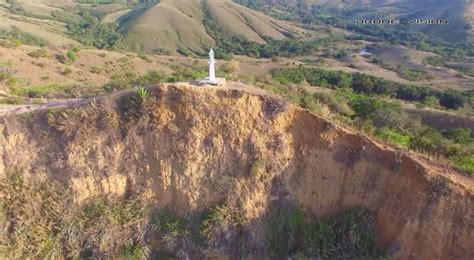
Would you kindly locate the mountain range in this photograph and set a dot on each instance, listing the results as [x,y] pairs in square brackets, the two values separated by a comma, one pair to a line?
[173,25]
[179,24]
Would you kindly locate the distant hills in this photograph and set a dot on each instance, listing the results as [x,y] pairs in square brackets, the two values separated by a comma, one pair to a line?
[165,26]
[171,26]
[460,13]
[178,24]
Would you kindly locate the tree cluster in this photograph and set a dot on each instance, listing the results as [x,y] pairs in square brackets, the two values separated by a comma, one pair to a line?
[86,27]
[366,84]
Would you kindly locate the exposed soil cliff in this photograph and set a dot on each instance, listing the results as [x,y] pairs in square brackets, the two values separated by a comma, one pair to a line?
[189,149]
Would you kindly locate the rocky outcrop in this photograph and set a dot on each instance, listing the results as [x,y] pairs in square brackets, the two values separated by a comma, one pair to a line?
[189,148]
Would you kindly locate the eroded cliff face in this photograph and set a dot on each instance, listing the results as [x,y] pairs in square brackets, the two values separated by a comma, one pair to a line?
[190,148]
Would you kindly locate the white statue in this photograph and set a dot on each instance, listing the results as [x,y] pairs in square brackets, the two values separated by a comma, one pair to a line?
[212,80]
[212,67]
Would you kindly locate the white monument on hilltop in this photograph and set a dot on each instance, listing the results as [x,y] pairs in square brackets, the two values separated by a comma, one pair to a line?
[212,80]
[212,67]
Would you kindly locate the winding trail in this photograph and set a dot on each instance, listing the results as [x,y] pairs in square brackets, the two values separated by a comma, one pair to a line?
[6,110]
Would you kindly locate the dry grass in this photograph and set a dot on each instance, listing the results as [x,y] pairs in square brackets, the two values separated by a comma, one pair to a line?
[173,24]
[40,224]
[48,31]
[178,23]
[38,9]
[113,17]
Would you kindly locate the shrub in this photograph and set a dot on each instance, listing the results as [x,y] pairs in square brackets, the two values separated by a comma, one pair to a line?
[143,94]
[149,78]
[40,53]
[230,66]
[95,70]
[452,99]
[5,75]
[145,58]
[133,105]
[306,100]
[431,101]
[223,229]
[71,56]
[438,187]
[174,231]
[66,71]
[429,140]
[184,51]
[434,61]
[61,58]
[220,217]
[130,80]
[320,239]
[133,251]
[336,102]
[395,138]
[272,107]
[459,135]
[465,164]
[283,231]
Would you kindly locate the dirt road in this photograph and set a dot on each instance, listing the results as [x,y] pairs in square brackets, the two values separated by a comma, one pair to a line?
[19,109]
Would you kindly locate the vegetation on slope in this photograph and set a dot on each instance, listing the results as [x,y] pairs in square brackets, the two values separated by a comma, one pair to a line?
[241,221]
[40,221]
[366,84]
[383,119]
[47,227]
[306,13]
[361,104]
[86,28]
[175,25]
[228,44]
[18,37]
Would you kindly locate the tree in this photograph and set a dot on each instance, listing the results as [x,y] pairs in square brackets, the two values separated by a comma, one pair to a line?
[452,99]
[362,83]
[431,101]
[429,139]
[459,135]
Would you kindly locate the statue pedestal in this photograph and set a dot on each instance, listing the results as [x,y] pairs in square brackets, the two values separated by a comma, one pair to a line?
[217,82]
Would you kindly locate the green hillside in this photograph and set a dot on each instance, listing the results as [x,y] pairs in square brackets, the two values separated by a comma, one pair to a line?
[177,25]
[458,12]
[182,26]
[166,27]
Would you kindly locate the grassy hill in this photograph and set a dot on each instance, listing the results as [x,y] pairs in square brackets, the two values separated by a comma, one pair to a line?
[18,15]
[178,25]
[458,12]
[240,20]
[166,27]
